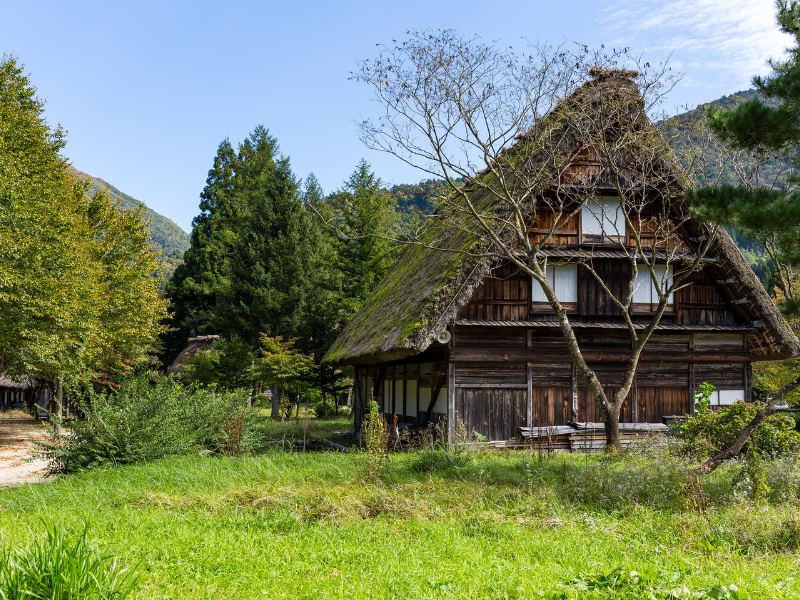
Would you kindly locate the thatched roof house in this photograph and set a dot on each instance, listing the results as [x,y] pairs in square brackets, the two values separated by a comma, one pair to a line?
[449,319]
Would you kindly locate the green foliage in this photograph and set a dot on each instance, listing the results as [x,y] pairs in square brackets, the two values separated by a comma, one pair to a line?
[702,397]
[421,197]
[59,568]
[227,364]
[755,476]
[149,419]
[771,376]
[625,584]
[365,217]
[77,294]
[767,210]
[710,431]
[281,363]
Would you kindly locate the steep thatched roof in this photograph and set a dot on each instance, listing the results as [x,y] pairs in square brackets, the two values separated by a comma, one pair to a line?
[433,280]
[6,383]
[193,345]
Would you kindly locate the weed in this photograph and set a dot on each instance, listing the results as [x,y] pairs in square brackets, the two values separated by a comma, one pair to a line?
[61,568]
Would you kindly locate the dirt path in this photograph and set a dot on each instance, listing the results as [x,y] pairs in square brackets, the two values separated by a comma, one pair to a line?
[18,434]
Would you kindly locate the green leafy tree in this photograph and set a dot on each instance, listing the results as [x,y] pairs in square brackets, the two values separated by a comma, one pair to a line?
[280,365]
[769,211]
[227,364]
[78,300]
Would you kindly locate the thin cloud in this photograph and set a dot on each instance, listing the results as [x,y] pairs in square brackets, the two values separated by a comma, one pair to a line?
[734,38]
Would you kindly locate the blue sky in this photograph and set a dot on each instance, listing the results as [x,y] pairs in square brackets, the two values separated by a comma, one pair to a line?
[147,90]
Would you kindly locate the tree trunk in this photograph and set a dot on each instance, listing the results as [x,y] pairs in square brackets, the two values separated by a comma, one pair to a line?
[736,446]
[59,402]
[611,419]
[277,393]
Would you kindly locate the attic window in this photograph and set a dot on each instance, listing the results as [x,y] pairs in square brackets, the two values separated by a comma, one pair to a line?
[564,281]
[602,217]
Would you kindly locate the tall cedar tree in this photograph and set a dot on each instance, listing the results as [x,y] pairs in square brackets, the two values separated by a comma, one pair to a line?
[267,289]
[330,311]
[247,270]
[366,216]
[195,284]
[770,214]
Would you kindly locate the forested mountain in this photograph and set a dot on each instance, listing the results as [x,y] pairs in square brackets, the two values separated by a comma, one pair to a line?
[686,132]
[170,239]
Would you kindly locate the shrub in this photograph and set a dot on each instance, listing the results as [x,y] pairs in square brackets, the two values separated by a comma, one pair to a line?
[707,432]
[148,419]
[59,568]
[325,409]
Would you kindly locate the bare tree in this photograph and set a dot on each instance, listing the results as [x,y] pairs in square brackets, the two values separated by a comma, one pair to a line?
[528,141]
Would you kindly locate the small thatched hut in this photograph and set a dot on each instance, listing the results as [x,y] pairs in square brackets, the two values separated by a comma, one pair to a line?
[193,345]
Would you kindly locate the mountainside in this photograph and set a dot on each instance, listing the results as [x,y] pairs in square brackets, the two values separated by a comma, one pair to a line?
[167,236]
[686,133]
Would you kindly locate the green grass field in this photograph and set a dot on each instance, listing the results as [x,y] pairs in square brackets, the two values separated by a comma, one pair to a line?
[470,525]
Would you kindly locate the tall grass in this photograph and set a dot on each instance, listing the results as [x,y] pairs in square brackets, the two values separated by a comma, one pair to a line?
[430,525]
[56,567]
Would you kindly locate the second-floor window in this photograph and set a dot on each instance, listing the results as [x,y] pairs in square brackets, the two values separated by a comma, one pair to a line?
[602,218]
[646,290]
[564,281]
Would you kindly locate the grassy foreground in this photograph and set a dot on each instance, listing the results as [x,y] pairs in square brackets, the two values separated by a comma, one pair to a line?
[476,525]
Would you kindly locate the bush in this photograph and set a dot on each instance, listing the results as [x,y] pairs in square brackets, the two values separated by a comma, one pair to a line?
[148,419]
[58,568]
[707,432]
[326,409]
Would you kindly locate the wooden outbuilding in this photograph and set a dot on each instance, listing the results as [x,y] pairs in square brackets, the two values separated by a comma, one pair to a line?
[453,337]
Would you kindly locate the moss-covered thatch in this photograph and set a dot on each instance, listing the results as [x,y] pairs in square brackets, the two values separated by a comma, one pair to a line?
[434,279]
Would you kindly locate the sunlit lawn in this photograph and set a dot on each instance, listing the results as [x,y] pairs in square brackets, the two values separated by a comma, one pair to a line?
[478,525]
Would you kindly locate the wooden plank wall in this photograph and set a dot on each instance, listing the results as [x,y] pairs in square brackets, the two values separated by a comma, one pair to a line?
[704,302]
[504,296]
[566,232]
[504,359]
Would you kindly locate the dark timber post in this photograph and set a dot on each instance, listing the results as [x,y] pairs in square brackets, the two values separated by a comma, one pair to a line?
[451,403]
[358,405]
[529,414]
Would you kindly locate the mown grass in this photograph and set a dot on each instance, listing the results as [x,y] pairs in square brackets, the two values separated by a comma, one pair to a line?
[433,525]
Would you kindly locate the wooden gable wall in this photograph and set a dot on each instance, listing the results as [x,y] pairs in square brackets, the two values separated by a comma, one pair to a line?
[506,296]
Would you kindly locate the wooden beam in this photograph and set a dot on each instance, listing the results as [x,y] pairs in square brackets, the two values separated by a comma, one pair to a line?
[435,390]
[356,402]
[492,386]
